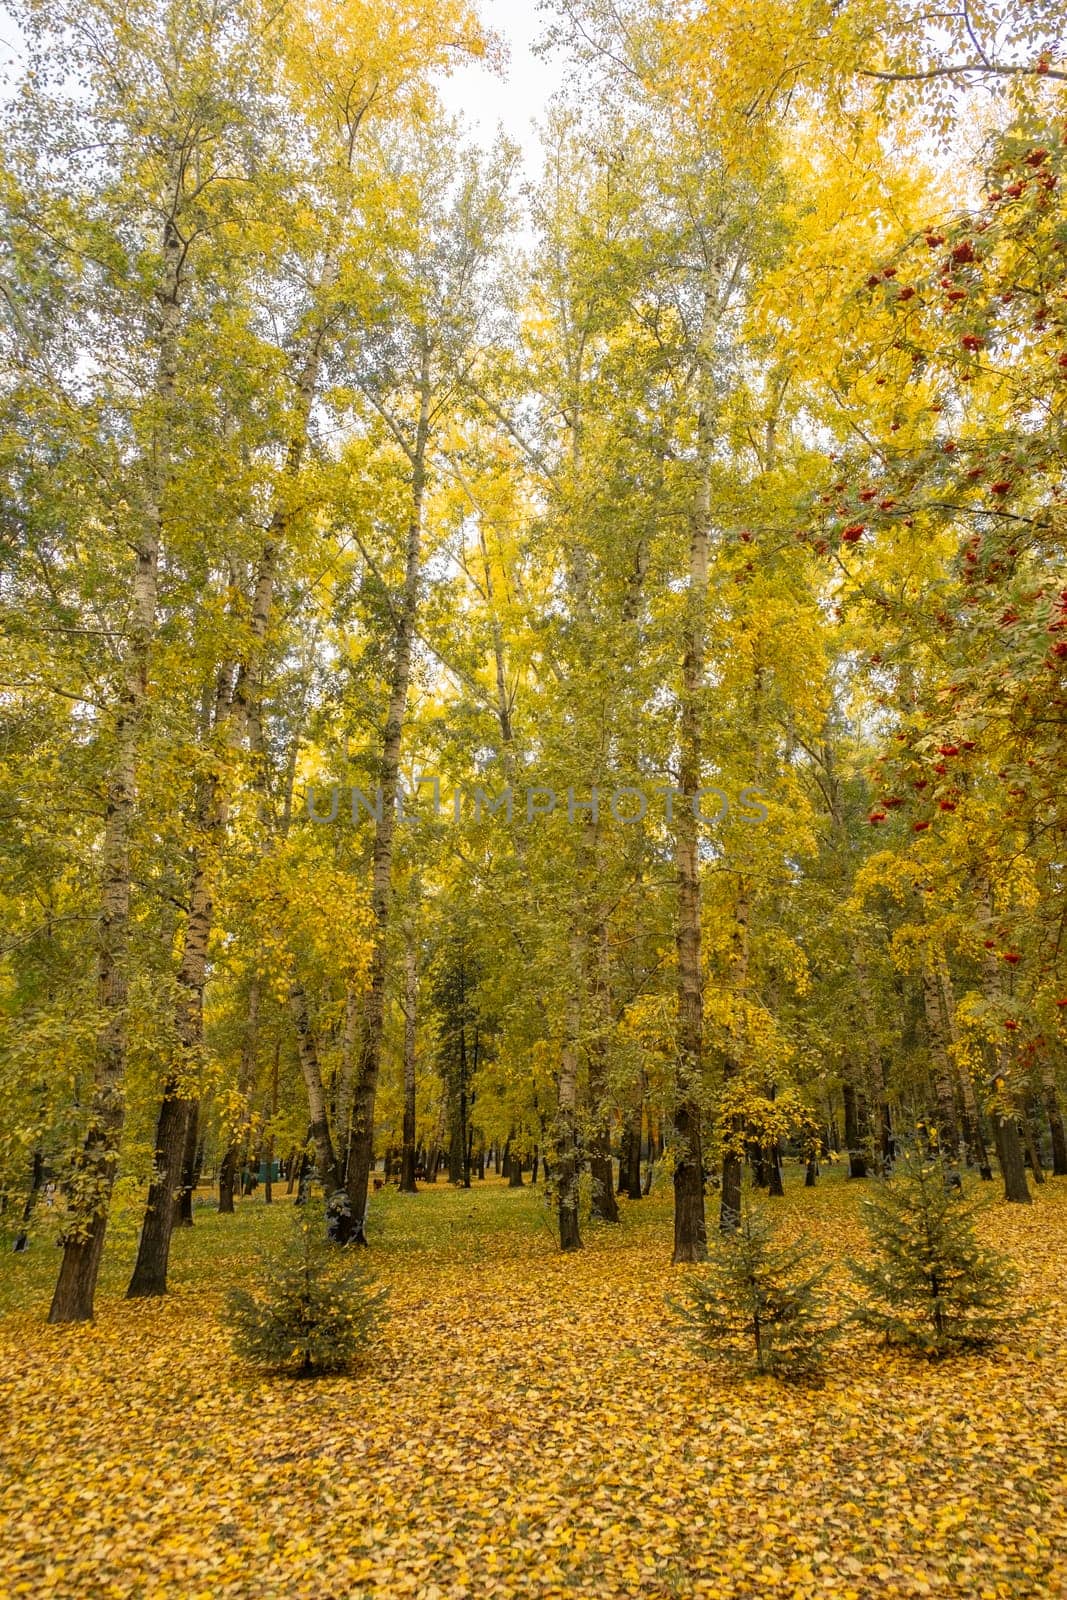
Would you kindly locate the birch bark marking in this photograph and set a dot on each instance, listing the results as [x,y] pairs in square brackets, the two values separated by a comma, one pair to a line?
[212,817]
[94,1173]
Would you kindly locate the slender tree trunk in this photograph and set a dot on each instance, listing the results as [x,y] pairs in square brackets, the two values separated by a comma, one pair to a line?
[690,1229]
[246,1078]
[89,1189]
[268,1187]
[381,878]
[1055,1119]
[411,991]
[875,1071]
[633,1173]
[972,1120]
[854,1142]
[1033,1154]
[190,1172]
[325,1156]
[36,1180]
[604,1205]
[732,1166]
[213,806]
[1005,1106]
[566,1131]
[947,1129]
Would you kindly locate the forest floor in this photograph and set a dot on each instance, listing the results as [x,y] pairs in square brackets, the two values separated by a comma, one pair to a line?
[530,1425]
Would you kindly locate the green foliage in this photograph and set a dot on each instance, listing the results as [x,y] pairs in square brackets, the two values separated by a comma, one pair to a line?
[933,1287]
[315,1308]
[757,1292]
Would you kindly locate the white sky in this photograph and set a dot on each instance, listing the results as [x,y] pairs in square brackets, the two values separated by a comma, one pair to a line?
[485,99]
[513,101]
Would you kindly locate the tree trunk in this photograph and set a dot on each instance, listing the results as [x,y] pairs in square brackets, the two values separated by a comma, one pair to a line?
[411,987]
[1055,1120]
[325,1156]
[1033,1154]
[566,1124]
[972,1119]
[153,1250]
[89,1189]
[633,1174]
[948,1133]
[36,1180]
[190,1173]
[732,1166]
[875,1073]
[774,1169]
[1005,1106]
[1010,1156]
[690,1231]
[381,876]
[246,1078]
[854,1142]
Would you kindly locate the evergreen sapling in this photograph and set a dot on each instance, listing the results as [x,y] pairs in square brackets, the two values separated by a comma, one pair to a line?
[933,1286]
[758,1302]
[315,1308]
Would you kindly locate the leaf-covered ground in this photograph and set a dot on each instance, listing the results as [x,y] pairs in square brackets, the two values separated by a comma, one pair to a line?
[530,1425]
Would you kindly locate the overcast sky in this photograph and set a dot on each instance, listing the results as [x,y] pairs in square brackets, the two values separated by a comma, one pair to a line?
[489,101]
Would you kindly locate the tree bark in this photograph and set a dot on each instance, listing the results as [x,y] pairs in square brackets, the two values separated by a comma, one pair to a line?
[325,1156]
[854,1142]
[1055,1120]
[948,1132]
[973,1136]
[381,874]
[246,1078]
[90,1186]
[190,1170]
[411,991]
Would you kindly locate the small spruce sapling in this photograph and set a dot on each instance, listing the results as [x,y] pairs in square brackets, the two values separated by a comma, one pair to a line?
[759,1298]
[933,1286]
[315,1308]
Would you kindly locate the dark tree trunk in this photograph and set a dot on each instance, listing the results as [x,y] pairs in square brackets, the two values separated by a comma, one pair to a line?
[228,1180]
[633,1171]
[1010,1156]
[153,1250]
[36,1180]
[604,1205]
[857,1160]
[515,1172]
[774,1170]
[1033,1153]
[730,1198]
[1055,1122]
[533,1166]
[190,1169]
[811,1173]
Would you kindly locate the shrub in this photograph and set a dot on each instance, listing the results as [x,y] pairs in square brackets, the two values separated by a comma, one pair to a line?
[758,1302]
[315,1308]
[933,1286]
